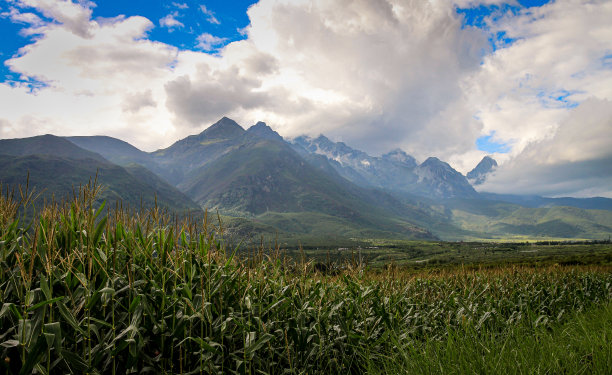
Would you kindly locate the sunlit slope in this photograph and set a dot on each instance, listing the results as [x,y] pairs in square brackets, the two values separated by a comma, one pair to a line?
[494,219]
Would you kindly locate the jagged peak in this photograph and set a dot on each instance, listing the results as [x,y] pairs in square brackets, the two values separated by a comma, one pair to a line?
[488,161]
[224,128]
[321,138]
[260,129]
[480,172]
[399,155]
[432,160]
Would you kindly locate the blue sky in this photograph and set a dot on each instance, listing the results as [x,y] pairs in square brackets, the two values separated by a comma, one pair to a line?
[222,19]
[488,144]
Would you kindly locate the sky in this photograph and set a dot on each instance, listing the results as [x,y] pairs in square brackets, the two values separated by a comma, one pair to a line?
[526,81]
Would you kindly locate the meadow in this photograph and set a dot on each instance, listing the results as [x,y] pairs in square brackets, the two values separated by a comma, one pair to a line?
[88,289]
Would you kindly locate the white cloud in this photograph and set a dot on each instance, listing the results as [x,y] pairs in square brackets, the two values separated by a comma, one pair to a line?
[576,160]
[210,16]
[22,17]
[208,42]
[93,83]
[180,5]
[74,16]
[134,102]
[170,21]
[558,52]
[376,73]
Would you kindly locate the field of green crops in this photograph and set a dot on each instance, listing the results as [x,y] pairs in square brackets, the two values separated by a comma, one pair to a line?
[113,292]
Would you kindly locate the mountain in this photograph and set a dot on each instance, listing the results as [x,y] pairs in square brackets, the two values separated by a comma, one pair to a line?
[310,189]
[359,167]
[262,130]
[184,156]
[478,175]
[395,171]
[266,179]
[112,149]
[117,151]
[437,178]
[46,145]
[167,195]
[401,158]
[56,166]
[502,220]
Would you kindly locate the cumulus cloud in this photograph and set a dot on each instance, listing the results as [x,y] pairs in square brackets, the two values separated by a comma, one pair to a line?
[74,16]
[22,17]
[87,78]
[526,93]
[170,21]
[376,74]
[137,101]
[208,42]
[576,160]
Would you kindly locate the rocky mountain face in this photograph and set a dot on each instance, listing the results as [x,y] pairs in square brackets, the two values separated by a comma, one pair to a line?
[479,174]
[399,157]
[395,171]
[439,179]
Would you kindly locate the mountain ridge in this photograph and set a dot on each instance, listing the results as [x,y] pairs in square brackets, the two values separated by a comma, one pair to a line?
[478,175]
[310,186]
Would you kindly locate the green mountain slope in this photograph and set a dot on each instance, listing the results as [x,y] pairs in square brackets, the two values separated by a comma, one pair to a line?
[56,177]
[57,164]
[494,219]
[535,201]
[112,149]
[180,159]
[267,180]
[46,145]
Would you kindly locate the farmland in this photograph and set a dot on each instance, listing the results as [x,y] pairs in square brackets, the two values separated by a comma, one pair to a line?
[98,290]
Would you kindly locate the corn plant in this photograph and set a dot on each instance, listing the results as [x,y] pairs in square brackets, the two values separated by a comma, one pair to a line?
[97,290]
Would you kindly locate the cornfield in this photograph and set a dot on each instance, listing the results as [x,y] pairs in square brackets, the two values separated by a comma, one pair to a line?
[113,291]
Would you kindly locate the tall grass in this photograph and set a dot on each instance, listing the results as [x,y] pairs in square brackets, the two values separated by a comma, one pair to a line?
[580,345]
[112,291]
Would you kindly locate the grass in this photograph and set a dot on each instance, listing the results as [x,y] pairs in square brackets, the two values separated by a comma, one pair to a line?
[417,255]
[581,345]
[101,291]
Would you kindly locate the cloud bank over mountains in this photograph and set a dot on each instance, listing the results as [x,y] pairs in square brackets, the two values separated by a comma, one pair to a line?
[376,74]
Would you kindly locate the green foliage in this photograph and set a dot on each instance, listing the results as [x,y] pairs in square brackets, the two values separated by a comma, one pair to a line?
[58,177]
[498,220]
[581,345]
[88,292]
